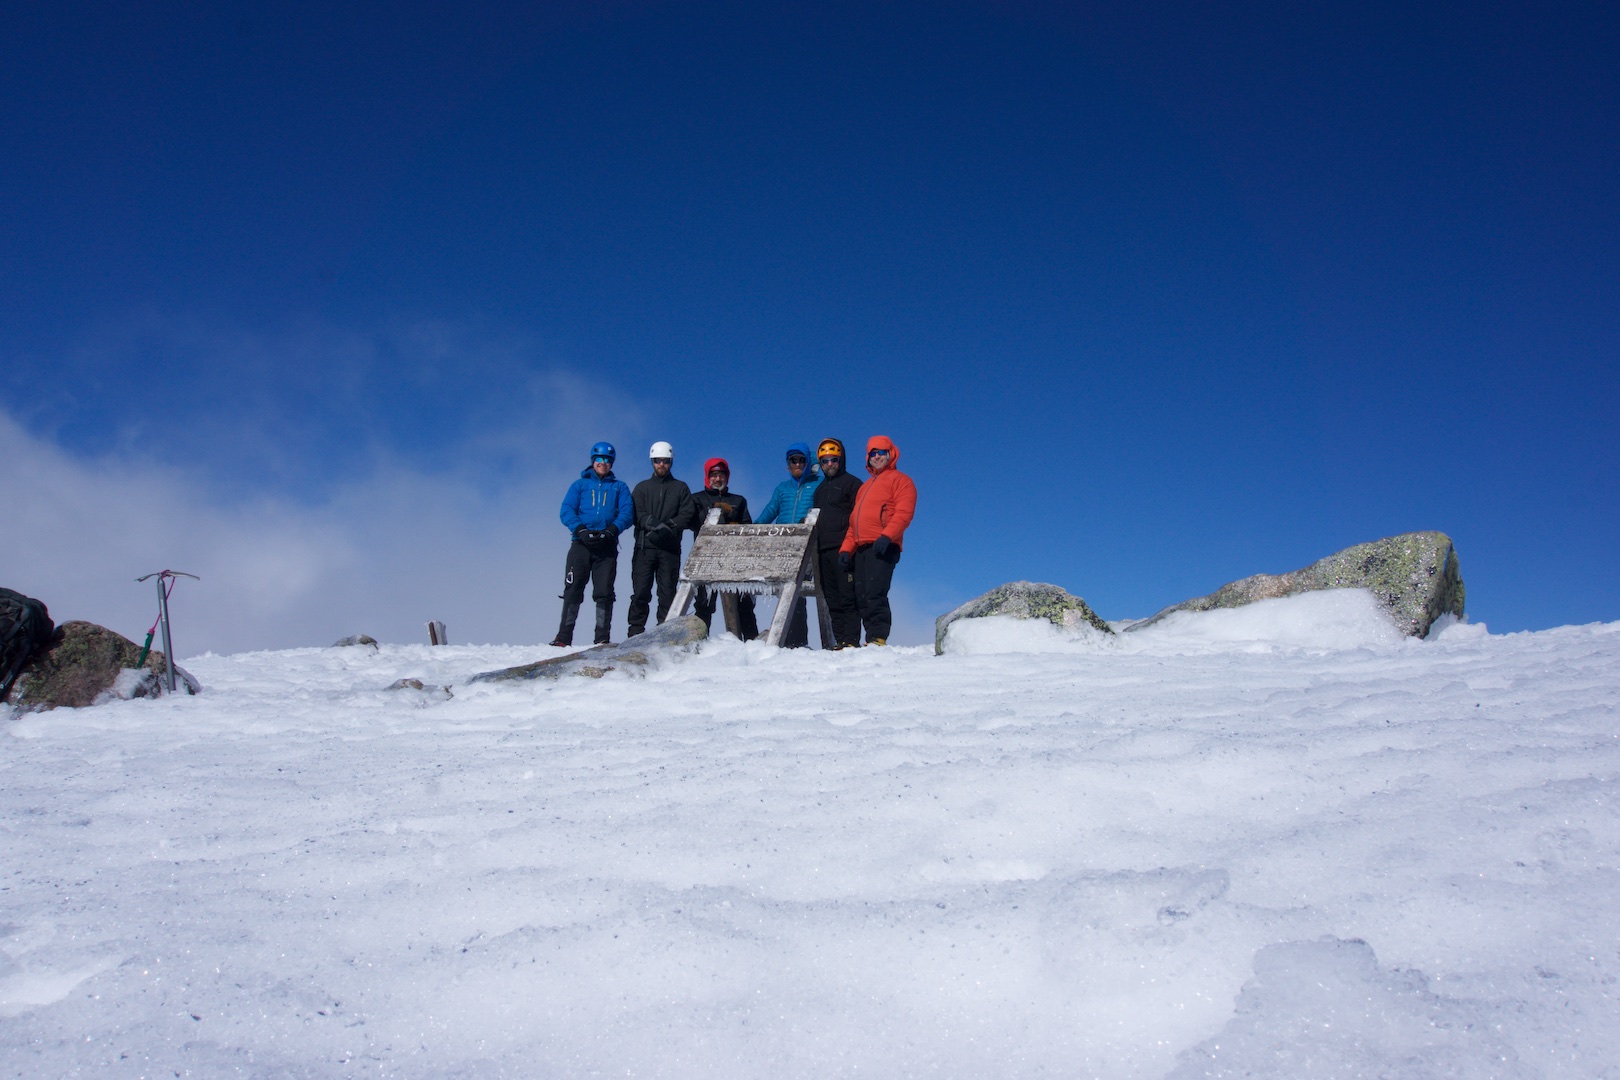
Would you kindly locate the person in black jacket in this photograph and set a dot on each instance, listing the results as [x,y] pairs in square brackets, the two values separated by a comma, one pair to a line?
[664,510]
[835,498]
[733,511]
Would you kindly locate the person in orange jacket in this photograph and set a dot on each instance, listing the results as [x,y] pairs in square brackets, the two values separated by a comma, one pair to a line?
[883,508]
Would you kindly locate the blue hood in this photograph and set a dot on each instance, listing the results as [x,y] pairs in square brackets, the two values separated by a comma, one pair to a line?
[810,473]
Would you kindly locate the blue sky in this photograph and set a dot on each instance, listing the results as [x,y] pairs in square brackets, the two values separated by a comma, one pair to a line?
[1150,300]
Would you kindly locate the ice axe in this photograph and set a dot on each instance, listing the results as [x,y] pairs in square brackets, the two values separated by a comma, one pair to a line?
[163,592]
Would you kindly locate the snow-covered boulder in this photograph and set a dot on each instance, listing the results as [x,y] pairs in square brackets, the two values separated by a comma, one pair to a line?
[1022,600]
[1415,578]
[355,639]
[88,664]
[668,638]
[427,689]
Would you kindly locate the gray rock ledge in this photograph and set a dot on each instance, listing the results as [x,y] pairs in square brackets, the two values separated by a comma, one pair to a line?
[1415,577]
[634,654]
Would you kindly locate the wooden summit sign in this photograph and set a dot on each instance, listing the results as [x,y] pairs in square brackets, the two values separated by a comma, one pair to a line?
[775,559]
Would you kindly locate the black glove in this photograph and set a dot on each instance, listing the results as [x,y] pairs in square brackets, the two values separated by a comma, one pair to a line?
[612,530]
[581,534]
[843,560]
[658,530]
[881,546]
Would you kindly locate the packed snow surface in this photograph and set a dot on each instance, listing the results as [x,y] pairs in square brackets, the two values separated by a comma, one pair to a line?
[1277,842]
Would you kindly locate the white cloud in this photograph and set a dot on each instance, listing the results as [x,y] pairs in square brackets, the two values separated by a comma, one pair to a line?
[389,548]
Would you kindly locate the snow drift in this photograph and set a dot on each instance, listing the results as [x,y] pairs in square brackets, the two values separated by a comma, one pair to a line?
[1281,844]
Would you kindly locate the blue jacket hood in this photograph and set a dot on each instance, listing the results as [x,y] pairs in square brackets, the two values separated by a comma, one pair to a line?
[810,474]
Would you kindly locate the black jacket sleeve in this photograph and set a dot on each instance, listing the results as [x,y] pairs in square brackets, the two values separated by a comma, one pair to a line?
[685,511]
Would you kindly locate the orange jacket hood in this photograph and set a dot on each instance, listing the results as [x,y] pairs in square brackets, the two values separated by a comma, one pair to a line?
[882,442]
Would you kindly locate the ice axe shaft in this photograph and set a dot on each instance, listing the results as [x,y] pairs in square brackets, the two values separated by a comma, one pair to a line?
[168,643]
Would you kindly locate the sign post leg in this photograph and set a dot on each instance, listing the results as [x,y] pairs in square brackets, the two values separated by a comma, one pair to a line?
[823,616]
[784,612]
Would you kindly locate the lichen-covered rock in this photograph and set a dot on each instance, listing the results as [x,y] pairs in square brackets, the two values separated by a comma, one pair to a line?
[355,639]
[1022,600]
[1414,576]
[87,664]
[668,638]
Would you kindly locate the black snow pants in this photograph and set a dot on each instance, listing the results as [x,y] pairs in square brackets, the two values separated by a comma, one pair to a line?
[873,573]
[598,563]
[838,593]
[647,565]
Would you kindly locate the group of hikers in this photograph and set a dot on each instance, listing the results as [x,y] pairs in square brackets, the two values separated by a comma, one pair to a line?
[858,536]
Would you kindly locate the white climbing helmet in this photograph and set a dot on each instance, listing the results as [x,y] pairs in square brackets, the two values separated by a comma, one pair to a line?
[662,450]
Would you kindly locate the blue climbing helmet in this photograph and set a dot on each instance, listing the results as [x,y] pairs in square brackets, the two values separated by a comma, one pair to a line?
[604,450]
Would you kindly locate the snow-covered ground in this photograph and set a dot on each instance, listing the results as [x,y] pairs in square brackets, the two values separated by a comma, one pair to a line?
[1276,842]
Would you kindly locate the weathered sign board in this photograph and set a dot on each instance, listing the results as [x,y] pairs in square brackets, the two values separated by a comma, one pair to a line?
[776,559]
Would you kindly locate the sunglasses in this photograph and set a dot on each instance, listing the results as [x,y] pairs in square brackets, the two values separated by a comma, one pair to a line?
[599,457]
[663,461]
[797,460]
[830,457]
[876,453]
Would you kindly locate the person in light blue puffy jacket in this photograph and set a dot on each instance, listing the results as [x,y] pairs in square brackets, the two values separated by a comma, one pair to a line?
[793,497]
[595,511]
[788,505]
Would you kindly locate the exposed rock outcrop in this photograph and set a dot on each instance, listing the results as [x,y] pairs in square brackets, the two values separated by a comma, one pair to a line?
[87,664]
[355,639]
[1022,600]
[427,691]
[635,654]
[1414,576]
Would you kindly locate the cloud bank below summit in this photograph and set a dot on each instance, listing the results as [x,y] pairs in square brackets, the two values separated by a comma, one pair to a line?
[387,547]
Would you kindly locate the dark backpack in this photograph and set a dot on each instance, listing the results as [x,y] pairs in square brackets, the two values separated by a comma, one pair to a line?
[25,628]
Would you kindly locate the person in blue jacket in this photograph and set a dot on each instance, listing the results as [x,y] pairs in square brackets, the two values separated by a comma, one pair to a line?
[788,505]
[595,511]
